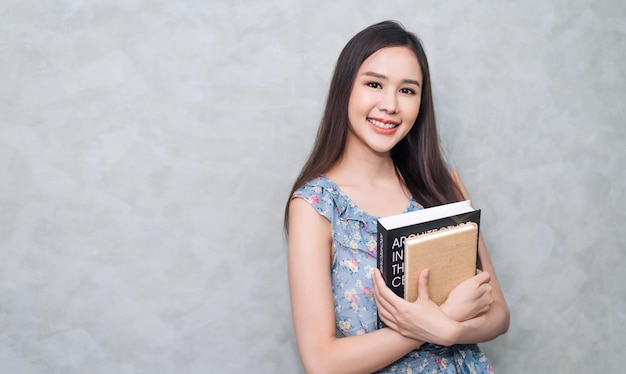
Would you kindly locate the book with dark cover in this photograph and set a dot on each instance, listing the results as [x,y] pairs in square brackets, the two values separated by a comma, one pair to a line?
[393,231]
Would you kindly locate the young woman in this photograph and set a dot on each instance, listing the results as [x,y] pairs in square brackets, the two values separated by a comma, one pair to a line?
[376,154]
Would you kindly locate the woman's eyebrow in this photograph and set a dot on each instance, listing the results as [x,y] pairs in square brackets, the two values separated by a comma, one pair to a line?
[381,76]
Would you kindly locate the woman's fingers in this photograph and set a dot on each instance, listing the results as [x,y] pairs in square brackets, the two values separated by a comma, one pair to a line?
[380,289]
[422,286]
[383,293]
[482,277]
[387,318]
[384,306]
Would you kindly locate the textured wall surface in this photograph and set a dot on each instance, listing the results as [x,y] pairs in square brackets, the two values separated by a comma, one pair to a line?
[147,147]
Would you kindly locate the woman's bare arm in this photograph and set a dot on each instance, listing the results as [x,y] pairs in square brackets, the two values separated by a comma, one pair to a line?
[495,320]
[312,305]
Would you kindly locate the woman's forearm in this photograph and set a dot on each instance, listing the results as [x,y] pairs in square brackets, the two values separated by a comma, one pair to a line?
[485,327]
[357,354]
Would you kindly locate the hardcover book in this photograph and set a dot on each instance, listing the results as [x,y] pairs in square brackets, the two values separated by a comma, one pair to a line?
[449,254]
[443,239]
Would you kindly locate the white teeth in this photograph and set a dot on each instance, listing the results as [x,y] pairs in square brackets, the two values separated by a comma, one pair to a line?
[381,124]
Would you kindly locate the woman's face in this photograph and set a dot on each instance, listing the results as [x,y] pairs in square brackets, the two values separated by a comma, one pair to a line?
[385,99]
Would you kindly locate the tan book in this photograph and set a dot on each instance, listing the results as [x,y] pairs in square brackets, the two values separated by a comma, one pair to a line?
[449,254]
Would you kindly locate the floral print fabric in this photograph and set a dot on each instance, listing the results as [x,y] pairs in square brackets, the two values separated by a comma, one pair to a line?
[354,259]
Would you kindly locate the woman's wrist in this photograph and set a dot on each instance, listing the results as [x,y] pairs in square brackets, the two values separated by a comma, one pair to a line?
[453,333]
[411,344]
[449,311]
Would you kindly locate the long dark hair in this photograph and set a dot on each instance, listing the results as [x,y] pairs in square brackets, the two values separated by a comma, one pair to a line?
[417,157]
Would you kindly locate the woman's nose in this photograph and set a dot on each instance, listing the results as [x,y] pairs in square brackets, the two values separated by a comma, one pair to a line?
[388,101]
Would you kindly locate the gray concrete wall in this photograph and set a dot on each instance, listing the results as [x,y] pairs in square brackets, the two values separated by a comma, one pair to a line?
[147,147]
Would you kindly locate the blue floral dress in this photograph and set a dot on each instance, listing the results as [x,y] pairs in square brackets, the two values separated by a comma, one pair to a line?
[354,258]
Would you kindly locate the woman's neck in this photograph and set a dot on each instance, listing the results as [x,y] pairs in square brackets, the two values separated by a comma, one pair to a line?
[371,183]
[359,167]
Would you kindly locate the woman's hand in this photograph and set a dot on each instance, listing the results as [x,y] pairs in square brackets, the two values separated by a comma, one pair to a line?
[470,298]
[421,320]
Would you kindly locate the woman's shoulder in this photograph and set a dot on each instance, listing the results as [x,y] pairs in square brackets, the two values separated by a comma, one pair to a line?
[320,192]
[317,186]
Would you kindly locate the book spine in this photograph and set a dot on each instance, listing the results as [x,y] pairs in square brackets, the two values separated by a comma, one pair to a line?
[382,259]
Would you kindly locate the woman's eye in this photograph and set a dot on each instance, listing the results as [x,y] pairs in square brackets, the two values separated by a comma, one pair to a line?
[408,91]
[374,85]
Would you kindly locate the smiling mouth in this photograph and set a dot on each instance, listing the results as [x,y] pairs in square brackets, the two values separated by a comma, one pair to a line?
[383,125]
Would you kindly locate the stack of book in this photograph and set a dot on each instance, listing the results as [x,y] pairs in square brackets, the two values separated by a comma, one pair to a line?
[443,239]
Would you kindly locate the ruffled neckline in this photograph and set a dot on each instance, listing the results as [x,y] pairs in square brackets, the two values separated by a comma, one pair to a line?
[349,210]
